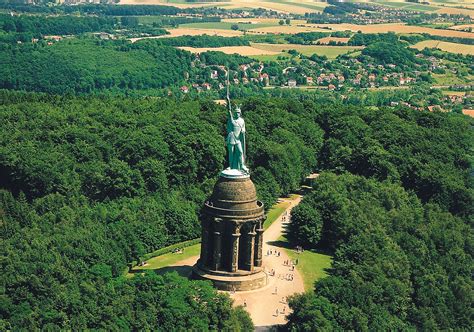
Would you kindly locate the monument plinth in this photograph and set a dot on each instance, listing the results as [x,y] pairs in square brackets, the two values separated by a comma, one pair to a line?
[232,235]
[232,221]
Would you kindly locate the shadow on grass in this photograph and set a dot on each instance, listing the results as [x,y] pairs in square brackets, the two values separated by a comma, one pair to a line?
[280,244]
[182,270]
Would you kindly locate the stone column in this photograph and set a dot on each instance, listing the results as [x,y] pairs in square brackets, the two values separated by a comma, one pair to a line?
[259,244]
[250,250]
[204,261]
[216,255]
[234,249]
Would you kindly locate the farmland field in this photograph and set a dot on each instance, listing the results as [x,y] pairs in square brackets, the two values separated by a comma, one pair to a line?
[445,46]
[292,29]
[285,6]
[272,51]
[326,40]
[242,50]
[462,27]
[226,25]
[398,28]
[269,27]
[329,51]
[258,20]
[407,5]
[451,10]
[308,6]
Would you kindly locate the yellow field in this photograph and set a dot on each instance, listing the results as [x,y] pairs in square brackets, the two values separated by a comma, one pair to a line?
[329,51]
[289,6]
[451,10]
[297,28]
[398,28]
[275,49]
[242,50]
[462,27]
[193,32]
[291,29]
[445,46]
[326,40]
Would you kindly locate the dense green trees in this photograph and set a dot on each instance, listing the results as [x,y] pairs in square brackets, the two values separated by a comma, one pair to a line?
[401,239]
[391,53]
[306,38]
[91,184]
[55,25]
[427,152]
[200,41]
[84,66]
[398,263]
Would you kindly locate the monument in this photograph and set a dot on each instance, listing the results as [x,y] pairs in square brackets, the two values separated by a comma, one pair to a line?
[232,222]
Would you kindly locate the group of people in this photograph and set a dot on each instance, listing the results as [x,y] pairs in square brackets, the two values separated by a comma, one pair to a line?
[283,311]
[289,277]
[286,217]
[291,263]
[273,252]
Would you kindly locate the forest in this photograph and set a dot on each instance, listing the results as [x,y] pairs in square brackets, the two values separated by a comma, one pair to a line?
[394,208]
[84,66]
[91,184]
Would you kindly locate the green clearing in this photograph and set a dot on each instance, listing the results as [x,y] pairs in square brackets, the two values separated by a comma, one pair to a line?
[331,52]
[269,57]
[226,25]
[421,8]
[391,3]
[449,78]
[312,266]
[273,214]
[168,259]
[316,6]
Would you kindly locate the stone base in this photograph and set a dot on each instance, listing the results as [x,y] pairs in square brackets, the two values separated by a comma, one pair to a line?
[234,174]
[247,282]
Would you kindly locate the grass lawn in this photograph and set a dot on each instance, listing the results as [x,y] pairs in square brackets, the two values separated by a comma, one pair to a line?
[449,79]
[311,265]
[169,258]
[269,57]
[273,214]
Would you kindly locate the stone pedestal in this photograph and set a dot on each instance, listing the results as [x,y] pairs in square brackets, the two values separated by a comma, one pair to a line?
[232,235]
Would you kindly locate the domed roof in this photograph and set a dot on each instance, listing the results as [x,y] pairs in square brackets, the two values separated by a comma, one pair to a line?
[234,198]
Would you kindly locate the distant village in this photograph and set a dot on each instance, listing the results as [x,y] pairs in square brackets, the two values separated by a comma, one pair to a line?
[352,73]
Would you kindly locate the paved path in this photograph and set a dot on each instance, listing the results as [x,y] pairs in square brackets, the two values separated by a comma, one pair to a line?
[262,304]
